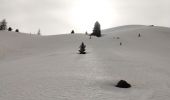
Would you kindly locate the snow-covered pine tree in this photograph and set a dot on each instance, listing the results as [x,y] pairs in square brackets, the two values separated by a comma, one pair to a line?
[82,48]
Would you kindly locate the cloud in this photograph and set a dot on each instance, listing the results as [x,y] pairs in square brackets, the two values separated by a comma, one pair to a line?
[30,15]
[33,14]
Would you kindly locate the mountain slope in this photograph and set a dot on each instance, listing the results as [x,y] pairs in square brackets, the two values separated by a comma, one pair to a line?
[49,68]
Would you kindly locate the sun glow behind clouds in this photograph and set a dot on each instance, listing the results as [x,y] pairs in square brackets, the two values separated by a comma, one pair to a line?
[85,12]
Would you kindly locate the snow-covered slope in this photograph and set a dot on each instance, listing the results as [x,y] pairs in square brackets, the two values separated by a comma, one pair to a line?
[50,68]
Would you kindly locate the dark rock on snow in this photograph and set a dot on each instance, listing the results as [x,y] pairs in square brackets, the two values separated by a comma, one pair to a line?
[123,84]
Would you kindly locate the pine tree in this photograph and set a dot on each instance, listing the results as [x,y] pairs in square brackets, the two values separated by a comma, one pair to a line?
[96,30]
[82,48]
[10,29]
[3,25]
[17,30]
[39,32]
[72,32]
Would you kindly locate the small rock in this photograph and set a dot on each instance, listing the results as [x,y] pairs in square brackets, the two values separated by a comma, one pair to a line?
[123,84]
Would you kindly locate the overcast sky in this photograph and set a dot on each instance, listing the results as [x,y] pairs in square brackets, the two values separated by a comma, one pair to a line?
[61,16]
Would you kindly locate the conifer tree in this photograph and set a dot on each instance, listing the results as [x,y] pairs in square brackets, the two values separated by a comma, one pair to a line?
[72,32]
[96,30]
[3,25]
[17,30]
[10,29]
[82,48]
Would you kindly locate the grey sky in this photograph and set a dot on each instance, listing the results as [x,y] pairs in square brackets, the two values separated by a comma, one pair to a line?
[53,16]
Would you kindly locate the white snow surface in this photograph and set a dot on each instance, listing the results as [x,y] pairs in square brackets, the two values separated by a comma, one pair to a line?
[50,68]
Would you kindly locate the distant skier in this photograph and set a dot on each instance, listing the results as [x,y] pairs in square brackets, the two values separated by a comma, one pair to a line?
[139,35]
[120,43]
